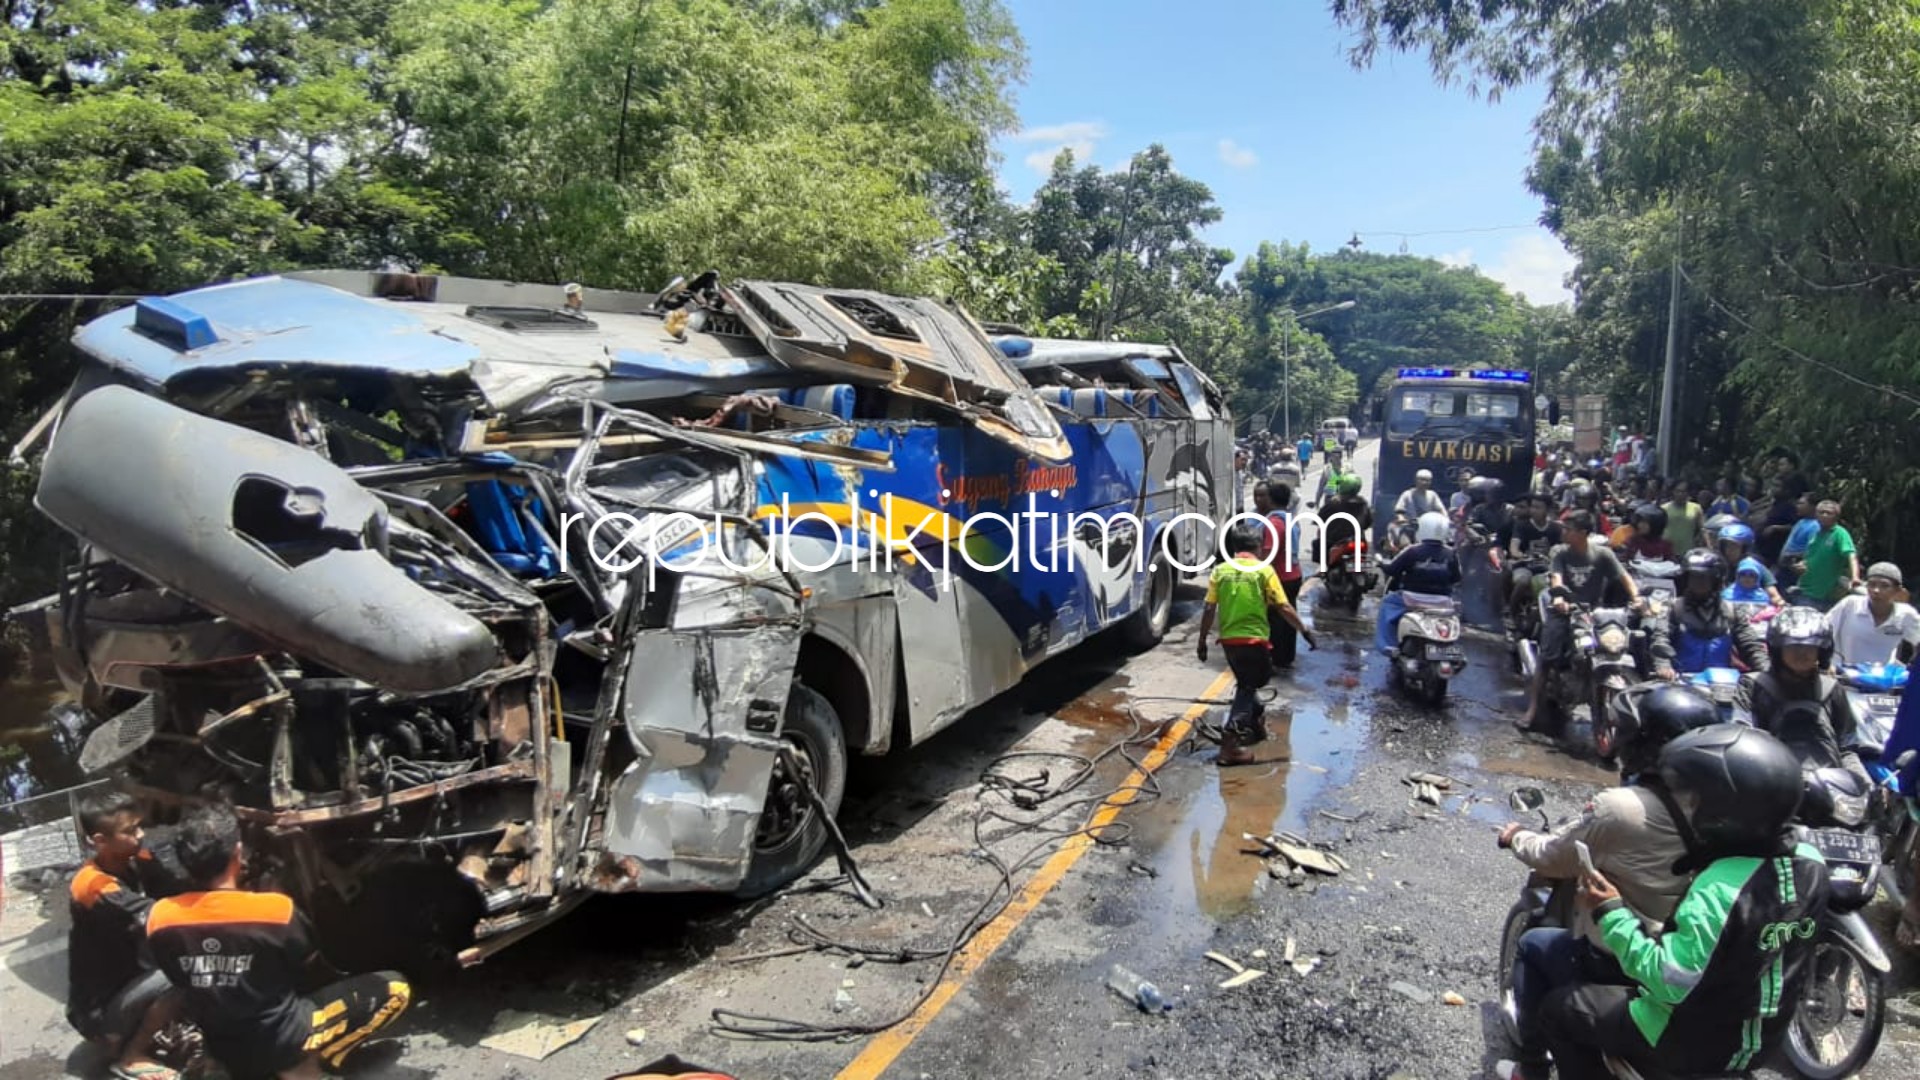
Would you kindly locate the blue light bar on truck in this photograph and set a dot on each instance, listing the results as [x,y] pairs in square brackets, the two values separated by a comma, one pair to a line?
[1491,375]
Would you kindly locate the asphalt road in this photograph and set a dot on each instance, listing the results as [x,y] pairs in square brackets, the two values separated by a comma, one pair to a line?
[1415,916]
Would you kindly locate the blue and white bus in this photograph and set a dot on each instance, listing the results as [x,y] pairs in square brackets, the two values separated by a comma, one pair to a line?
[579,590]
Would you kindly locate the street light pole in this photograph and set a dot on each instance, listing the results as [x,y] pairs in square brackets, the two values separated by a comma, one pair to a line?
[1286,356]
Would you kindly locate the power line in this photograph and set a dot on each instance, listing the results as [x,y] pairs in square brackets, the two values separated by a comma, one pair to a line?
[74,296]
[1796,353]
[1444,232]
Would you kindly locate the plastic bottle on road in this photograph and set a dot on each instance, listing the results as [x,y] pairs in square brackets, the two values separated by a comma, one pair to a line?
[1137,990]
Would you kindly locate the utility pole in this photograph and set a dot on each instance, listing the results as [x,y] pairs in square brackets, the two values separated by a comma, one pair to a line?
[1670,383]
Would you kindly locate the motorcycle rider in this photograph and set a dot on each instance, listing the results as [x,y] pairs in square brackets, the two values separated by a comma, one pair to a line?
[1796,701]
[1580,495]
[1336,531]
[1285,470]
[1334,473]
[1701,628]
[1878,627]
[1631,834]
[1718,985]
[1457,502]
[1736,543]
[1420,498]
[1582,572]
[1428,567]
[1529,534]
[1648,539]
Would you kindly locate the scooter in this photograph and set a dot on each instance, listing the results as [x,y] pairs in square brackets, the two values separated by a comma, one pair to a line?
[1347,578]
[1429,652]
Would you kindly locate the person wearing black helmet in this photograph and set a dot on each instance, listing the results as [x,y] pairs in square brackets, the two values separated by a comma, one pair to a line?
[1797,700]
[1648,538]
[1702,630]
[1715,988]
[1581,495]
[1633,839]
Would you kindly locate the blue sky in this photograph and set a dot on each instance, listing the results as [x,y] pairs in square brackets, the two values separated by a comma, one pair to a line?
[1257,99]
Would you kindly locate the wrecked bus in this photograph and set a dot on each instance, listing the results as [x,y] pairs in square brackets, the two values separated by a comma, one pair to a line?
[478,598]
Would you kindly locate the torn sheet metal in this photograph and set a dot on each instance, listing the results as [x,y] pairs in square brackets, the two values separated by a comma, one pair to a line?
[701,710]
[912,345]
[266,533]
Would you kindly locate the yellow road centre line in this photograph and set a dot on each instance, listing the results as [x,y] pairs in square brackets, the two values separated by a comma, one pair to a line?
[891,1043]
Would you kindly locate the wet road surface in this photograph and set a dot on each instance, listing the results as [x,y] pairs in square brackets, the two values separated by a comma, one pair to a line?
[1415,916]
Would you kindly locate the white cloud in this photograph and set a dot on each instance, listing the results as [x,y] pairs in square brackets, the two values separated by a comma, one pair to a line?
[1237,156]
[1079,136]
[1533,265]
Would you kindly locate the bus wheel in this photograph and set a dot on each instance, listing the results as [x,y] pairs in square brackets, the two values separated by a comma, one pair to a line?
[1144,628]
[791,831]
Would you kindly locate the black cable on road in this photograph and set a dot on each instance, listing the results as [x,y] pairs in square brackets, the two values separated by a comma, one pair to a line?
[1030,805]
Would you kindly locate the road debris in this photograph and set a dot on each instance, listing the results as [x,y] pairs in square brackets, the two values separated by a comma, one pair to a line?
[1305,967]
[636,1036]
[1227,962]
[1286,955]
[1411,992]
[535,1036]
[1452,998]
[1259,954]
[1242,979]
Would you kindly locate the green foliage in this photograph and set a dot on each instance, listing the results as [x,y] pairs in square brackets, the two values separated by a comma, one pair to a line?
[1772,146]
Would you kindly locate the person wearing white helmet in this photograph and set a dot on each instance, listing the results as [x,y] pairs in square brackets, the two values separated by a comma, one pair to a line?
[1429,566]
[1420,498]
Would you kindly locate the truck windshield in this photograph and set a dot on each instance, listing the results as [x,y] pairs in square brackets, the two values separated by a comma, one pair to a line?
[1419,410]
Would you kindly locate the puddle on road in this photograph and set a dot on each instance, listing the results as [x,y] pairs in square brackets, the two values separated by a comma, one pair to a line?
[1195,837]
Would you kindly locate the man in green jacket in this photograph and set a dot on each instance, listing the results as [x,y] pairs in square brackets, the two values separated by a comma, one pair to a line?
[1716,988]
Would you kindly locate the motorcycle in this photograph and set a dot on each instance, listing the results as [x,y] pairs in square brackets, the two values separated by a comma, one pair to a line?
[1602,663]
[1848,980]
[1720,684]
[1543,901]
[1874,693]
[1429,653]
[1347,577]
[1526,617]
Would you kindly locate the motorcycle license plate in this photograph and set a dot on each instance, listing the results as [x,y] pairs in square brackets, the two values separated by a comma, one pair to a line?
[1839,845]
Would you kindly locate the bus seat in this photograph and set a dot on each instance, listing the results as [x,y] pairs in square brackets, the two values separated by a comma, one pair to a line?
[1147,402]
[495,508]
[1090,402]
[834,400]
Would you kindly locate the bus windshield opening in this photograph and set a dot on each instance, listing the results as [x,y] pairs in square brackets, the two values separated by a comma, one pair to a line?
[1434,409]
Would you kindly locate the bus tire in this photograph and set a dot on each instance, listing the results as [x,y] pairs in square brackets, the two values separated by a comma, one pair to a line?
[791,834]
[1144,628]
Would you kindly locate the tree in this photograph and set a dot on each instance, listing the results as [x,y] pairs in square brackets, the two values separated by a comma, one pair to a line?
[1769,145]
[1128,243]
